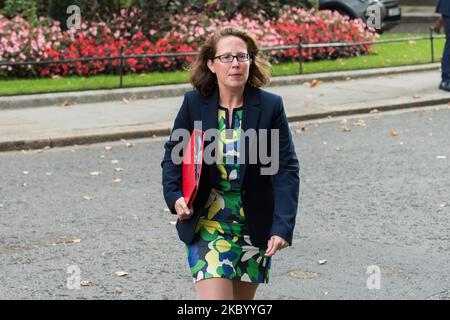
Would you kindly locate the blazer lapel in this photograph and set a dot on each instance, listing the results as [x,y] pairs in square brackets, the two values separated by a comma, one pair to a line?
[210,121]
[250,120]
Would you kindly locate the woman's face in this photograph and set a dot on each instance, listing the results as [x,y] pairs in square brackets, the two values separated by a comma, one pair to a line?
[233,74]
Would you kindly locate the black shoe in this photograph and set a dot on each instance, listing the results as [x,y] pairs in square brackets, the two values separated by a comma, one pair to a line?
[445,85]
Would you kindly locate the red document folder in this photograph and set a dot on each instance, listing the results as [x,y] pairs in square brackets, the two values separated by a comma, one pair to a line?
[192,166]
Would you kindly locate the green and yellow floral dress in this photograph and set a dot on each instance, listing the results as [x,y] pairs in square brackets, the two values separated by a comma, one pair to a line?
[222,247]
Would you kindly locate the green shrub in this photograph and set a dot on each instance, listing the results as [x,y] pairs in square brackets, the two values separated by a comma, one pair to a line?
[91,10]
[26,8]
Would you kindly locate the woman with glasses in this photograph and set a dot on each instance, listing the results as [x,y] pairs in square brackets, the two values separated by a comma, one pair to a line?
[240,216]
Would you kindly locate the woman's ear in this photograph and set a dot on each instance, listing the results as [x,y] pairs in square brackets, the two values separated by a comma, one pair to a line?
[210,65]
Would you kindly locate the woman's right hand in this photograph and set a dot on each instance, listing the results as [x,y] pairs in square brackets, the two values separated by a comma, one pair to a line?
[183,212]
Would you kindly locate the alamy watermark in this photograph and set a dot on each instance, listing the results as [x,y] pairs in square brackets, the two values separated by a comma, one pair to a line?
[374,280]
[261,150]
[74,280]
[373,13]
[74,20]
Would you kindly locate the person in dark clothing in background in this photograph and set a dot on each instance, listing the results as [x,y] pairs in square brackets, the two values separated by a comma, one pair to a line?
[443,7]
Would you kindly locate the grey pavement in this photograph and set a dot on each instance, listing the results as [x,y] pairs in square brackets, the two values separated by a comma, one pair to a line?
[36,128]
[368,199]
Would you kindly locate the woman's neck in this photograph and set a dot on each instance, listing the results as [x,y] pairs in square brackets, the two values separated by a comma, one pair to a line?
[231,99]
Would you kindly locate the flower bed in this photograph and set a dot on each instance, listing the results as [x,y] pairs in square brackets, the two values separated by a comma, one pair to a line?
[19,41]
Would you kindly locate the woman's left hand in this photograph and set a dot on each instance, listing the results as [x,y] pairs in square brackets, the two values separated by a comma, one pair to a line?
[274,244]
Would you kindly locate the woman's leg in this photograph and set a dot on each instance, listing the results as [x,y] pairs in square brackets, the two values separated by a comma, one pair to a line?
[244,290]
[214,289]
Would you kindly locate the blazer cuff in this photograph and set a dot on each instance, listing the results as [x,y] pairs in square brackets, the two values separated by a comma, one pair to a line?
[281,232]
[171,199]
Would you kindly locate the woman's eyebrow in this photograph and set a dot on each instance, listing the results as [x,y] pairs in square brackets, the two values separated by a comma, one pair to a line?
[229,52]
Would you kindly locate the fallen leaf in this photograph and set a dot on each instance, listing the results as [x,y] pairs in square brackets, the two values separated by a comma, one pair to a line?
[417,97]
[125,100]
[56,77]
[66,103]
[119,290]
[348,78]
[108,148]
[95,173]
[121,273]
[119,169]
[393,133]
[346,129]
[343,121]
[322,261]
[316,83]
[302,129]
[359,123]
[374,111]
[114,161]
[86,283]
[130,145]
[172,222]
[117,180]
[72,241]
[87,198]
[441,157]
[411,42]
[300,274]
[307,84]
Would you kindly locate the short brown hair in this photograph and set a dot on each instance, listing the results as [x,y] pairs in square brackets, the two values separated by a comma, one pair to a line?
[204,81]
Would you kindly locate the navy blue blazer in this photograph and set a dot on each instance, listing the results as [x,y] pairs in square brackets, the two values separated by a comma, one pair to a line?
[443,7]
[269,201]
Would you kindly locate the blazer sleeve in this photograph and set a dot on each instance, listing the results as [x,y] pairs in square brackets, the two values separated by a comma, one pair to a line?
[286,182]
[171,173]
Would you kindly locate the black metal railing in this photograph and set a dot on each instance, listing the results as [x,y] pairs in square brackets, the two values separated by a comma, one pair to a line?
[300,47]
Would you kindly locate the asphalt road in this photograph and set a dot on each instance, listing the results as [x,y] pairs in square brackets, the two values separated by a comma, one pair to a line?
[370,198]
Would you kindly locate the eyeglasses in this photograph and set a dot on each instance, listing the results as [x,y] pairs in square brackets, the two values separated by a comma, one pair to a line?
[228,58]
